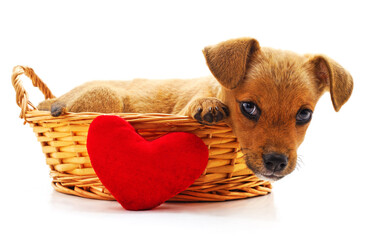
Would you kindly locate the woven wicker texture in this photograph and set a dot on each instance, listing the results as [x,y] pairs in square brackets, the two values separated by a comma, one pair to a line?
[63,141]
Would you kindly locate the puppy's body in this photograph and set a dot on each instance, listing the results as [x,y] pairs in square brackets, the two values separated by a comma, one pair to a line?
[139,95]
[267,96]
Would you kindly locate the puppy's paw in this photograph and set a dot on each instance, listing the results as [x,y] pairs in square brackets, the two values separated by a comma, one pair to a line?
[208,111]
[58,108]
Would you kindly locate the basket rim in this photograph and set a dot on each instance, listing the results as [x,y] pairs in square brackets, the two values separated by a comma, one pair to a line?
[45,116]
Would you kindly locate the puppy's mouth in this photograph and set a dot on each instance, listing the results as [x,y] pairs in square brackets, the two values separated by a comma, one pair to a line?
[270,178]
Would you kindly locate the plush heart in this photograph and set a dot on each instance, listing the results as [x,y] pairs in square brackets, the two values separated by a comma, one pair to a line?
[143,174]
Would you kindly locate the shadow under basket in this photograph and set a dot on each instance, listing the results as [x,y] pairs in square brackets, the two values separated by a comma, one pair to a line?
[63,141]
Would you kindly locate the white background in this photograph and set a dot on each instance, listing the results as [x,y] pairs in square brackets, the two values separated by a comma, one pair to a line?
[332,195]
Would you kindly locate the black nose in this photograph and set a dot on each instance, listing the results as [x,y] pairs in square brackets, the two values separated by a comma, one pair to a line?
[275,162]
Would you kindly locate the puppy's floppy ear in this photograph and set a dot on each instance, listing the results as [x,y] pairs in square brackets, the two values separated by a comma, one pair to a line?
[228,60]
[334,78]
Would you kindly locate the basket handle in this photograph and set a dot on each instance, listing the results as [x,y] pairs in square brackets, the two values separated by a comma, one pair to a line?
[22,98]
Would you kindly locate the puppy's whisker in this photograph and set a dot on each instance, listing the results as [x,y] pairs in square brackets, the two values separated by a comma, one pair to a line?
[299,162]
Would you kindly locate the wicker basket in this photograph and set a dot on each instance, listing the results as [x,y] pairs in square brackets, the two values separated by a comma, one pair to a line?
[63,141]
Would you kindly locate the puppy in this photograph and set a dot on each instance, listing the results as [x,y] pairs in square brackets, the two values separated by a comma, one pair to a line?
[267,96]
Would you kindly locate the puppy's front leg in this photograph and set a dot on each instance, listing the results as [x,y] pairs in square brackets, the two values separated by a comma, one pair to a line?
[208,111]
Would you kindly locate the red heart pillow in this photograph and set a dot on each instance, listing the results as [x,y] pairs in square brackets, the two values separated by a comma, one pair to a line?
[143,174]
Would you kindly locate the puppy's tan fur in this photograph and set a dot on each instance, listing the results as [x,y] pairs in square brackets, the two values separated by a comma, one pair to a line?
[279,82]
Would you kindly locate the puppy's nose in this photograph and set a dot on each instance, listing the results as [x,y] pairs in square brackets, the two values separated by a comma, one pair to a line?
[275,162]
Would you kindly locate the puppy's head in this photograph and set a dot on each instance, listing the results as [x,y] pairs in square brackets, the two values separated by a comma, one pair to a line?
[271,95]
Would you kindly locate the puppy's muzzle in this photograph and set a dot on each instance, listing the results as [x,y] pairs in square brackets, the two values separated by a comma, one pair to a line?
[275,162]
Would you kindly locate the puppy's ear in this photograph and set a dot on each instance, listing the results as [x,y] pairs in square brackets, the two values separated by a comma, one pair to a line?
[228,60]
[334,78]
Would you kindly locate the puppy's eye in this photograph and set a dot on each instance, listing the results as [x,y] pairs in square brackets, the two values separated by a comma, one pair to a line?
[303,116]
[250,110]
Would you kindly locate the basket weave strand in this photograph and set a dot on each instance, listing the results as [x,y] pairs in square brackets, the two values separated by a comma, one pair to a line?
[63,141]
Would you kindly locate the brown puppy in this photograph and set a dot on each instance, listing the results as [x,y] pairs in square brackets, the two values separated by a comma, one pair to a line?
[267,96]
